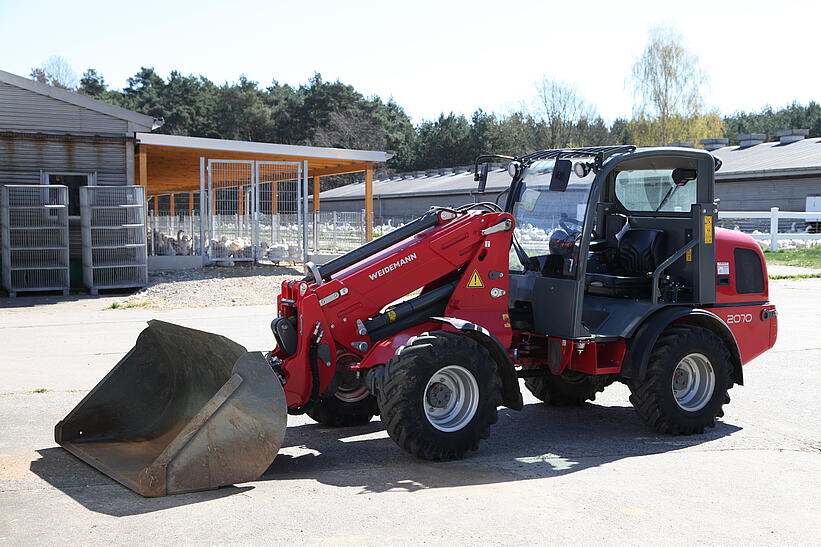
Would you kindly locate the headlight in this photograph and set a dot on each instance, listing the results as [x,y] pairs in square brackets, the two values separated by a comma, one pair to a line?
[581,169]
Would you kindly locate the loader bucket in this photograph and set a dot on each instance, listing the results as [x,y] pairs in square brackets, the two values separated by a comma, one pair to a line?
[184,410]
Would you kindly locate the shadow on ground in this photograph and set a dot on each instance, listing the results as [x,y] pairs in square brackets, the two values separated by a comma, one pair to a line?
[51,298]
[101,494]
[538,442]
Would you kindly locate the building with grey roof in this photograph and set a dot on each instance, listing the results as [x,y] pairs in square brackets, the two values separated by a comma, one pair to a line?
[755,176]
[53,136]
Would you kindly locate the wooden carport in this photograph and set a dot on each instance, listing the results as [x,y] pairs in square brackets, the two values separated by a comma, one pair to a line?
[171,164]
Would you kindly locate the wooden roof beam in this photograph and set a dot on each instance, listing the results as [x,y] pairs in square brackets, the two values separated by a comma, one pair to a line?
[340,169]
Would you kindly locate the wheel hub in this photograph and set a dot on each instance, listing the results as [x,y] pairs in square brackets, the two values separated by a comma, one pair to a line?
[451,398]
[439,395]
[351,389]
[693,382]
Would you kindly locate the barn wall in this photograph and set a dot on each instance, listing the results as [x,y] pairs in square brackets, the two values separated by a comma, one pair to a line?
[785,193]
[22,157]
[42,133]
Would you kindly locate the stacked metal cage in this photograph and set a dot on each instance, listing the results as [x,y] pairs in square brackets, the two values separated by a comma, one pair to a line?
[114,237]
[34,234]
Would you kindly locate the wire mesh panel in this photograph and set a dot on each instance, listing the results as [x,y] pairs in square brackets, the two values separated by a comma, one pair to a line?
[174,225]
[337,232]
[230,234]
[34,238]
[278,220]
[114,237]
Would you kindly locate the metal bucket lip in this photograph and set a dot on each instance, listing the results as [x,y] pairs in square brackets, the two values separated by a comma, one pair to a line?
[176,460]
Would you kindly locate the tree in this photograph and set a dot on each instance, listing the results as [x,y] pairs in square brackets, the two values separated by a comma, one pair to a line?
[667,82]
[57,72]
[563,110]
[93,84]
[769,120]
[444,142]
[241,113]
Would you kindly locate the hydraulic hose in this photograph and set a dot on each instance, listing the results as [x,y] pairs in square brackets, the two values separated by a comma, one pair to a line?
[313,361]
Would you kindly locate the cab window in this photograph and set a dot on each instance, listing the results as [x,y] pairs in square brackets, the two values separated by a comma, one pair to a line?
[649,190]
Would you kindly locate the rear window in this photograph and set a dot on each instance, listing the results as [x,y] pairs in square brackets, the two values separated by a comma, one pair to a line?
[647,190]
[749,275]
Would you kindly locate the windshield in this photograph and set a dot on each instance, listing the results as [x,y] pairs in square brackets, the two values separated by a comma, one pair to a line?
[548,223]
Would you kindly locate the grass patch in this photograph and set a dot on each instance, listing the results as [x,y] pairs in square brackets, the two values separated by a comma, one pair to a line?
[128,305]
[40,390]
[806,258]
[796,276]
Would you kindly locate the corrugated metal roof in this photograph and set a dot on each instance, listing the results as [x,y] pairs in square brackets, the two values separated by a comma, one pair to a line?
[144,122]
[24,111]
[763,160]
[770,158]
[455,183]
[262,148]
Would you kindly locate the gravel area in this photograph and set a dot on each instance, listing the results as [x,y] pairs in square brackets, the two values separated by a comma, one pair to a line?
[239,285]
[782,269]
[247,285]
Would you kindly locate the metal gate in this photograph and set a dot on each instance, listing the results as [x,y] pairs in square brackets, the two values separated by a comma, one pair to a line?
[255,211]
[280,221]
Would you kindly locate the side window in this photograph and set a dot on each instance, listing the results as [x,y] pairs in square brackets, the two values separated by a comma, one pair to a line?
[654,190]
[749,275]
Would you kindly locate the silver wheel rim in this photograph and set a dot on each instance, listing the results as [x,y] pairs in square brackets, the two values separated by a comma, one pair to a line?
[354,395]
[451,398]
[693,382]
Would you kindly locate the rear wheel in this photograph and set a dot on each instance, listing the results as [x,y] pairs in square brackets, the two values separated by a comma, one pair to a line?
[688,376]
[569,389]
[438,397]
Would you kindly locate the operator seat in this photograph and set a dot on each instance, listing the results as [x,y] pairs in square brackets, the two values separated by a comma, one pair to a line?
[640,251]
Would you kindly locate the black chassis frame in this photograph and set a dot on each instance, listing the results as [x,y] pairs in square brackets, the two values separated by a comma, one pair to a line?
[559,304]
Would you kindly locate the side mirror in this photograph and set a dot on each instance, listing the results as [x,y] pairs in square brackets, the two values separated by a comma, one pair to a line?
[682,176]
[483,177]
[561,175]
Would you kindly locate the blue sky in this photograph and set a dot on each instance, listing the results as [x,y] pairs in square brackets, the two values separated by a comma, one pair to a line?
[430,56]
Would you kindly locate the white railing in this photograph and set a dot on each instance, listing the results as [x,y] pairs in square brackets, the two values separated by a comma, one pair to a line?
[770,227]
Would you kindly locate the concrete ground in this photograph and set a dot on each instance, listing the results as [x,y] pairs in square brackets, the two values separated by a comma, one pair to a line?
[590,475]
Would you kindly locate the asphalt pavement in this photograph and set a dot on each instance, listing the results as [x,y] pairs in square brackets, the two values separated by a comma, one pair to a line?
[589,475]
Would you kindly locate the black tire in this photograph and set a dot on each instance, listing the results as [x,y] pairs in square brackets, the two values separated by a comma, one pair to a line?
[564,390]
[654,398]
[334,412]
[401,394]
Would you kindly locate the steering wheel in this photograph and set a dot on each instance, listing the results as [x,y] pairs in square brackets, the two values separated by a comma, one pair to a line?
[571,225]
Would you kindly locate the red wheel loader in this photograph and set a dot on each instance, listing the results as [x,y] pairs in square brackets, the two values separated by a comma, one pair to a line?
[596,265]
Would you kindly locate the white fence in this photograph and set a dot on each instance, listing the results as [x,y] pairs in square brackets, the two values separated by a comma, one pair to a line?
[775,227]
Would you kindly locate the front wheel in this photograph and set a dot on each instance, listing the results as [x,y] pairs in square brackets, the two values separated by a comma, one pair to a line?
[351,404]
[688,376]
[438,397]
[345,408]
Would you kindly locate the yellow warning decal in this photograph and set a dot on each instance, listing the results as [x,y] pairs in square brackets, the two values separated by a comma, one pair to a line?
[708,229]
[475,281]
[688,255]
[391,315]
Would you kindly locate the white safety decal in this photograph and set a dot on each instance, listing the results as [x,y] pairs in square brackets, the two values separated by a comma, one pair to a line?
[401,262]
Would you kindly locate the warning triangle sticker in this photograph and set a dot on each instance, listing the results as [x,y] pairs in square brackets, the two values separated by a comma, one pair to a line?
[475,281]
